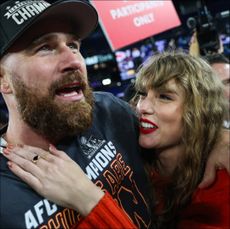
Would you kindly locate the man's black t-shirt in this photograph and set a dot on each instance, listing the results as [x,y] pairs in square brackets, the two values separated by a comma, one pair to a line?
[108,153]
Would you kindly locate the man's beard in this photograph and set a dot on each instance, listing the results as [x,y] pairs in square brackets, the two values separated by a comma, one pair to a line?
[49,118]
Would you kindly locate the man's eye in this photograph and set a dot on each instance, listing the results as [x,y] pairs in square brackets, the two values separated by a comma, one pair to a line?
[74,46]
[44,48]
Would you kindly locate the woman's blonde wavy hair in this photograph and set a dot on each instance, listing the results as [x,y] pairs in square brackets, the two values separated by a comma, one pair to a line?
[203,111]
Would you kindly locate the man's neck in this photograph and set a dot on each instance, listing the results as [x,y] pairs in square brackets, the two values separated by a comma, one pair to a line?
[21,133]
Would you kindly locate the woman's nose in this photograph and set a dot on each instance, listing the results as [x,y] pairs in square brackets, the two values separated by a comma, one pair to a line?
[145,106]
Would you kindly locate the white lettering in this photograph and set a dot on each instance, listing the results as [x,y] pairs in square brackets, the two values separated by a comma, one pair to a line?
[107,153]
[89,172]
[113,14]
[39,211]
[134,9]
[24,13]
[97,164]
[32,10]
[41,6]
[18,21]
[101,159]
[112,147]
[50,210]
[30,220]
[94,168]
[143,20]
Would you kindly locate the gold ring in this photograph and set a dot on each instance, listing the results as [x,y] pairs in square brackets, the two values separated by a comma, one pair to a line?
[35,159]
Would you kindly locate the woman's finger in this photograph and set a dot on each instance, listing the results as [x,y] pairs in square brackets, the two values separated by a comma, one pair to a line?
[28,166]
[54,151]
[27,177]
[28,152]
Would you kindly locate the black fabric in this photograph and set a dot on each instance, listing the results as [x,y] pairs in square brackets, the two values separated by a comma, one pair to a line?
[108,153]
[19,16]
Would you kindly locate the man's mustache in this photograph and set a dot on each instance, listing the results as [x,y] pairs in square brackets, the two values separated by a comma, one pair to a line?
[67,79]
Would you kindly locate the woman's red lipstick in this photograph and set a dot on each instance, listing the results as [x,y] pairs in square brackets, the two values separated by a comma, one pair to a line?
[146,126]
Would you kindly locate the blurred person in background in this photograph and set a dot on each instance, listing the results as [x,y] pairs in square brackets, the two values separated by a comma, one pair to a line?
[220,64]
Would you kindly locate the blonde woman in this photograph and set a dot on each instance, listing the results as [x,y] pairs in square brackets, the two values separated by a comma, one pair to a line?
[181,107]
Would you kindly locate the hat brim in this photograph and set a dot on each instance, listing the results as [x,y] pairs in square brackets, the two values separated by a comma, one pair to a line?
[82,17]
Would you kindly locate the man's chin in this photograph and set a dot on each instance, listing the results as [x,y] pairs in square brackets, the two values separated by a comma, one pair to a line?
[51,118]
[64,124]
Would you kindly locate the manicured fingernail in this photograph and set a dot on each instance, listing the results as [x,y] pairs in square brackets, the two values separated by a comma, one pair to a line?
[10,146]
[6,151]
[52,147]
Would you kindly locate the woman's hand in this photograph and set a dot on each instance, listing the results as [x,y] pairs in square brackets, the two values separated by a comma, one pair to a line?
[218,159]
[55,176]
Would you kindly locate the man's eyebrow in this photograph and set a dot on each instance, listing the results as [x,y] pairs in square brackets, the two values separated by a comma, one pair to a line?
[51,37]
[42,39]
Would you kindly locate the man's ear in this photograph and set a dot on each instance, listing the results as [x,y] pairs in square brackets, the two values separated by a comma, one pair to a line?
[5,87]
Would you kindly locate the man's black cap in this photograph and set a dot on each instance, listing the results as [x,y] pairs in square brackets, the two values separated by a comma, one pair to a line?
[18,17]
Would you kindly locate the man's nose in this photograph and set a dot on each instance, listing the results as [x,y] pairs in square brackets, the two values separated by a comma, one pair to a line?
[71,60]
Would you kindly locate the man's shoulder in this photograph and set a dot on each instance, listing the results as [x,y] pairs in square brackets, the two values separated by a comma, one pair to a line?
[109,107]
[107,100]
[102,96]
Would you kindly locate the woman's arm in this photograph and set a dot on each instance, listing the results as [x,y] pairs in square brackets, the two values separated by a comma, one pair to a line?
[47,172]
[106,214]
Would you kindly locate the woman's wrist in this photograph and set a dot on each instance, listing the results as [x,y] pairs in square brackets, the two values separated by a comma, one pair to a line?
[87,198]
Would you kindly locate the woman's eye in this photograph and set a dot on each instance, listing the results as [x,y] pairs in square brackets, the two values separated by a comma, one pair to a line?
[142,93]
[165,97]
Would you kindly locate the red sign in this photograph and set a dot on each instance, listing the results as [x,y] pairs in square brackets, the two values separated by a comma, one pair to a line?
[125,22]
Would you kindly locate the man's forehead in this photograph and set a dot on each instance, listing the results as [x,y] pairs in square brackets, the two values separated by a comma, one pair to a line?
[221,66]
[44,29]
[222,70]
